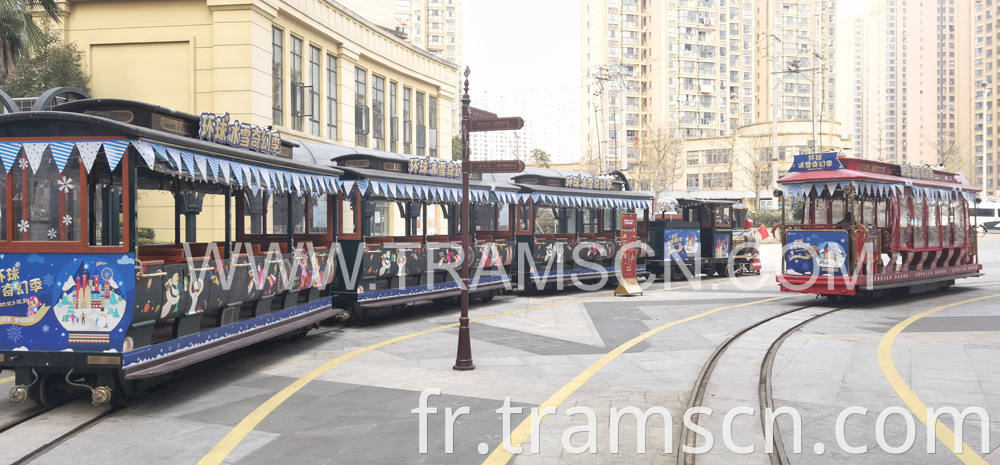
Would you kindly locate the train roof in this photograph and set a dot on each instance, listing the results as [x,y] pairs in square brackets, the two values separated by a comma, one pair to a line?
[822,169]
[77,121]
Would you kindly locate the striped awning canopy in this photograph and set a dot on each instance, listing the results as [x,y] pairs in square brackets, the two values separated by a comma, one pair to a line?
[170,160]
[427,193]
[876,190]
[584,201]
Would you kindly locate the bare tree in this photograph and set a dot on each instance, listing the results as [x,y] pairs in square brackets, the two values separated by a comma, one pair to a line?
[954,156]
[661,159]
[753,162]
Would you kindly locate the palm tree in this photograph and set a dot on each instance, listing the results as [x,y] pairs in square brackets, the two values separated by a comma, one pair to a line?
[19,32]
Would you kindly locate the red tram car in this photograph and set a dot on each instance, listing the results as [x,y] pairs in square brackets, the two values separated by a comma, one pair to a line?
[869,226]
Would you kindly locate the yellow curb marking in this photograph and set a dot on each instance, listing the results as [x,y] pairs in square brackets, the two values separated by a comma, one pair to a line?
[6,380]
[945,435]
[523,431]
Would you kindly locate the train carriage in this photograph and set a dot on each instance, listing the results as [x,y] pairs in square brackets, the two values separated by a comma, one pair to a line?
[83,302]
[703,236]
[570,224]
[869,226]
[399,218]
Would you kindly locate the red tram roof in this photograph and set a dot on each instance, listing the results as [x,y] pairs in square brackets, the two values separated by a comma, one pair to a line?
[863,174]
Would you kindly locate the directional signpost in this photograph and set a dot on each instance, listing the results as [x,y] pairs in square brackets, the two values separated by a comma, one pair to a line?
[474,120]
[497,124]
[500,166]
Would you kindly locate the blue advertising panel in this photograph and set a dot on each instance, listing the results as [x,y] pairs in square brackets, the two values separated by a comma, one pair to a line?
[723,244]
[816,162]
[681,244]
[822,253]
[66,302]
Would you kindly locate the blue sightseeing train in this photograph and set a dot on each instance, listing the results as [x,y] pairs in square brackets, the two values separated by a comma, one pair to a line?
[702,236]
[268,237]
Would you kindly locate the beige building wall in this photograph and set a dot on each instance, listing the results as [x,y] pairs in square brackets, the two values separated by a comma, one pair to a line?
[217,56]
[736,163]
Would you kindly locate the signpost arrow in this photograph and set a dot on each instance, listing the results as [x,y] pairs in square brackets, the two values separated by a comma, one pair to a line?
[499,124]
[498,166]
[476,113]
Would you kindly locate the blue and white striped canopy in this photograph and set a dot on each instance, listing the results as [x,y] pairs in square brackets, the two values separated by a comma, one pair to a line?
[170,160]
[584,201]
[392,190]
[875,189]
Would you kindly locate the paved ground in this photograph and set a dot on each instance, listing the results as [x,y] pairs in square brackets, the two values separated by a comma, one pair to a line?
[556,353]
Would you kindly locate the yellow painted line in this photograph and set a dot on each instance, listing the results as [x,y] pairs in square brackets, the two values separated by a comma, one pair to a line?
[225,446]
[6,380]
[945,435]
[523,431]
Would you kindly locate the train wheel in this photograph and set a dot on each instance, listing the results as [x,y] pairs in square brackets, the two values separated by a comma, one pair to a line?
[722,270]
[356,315]
[488,296]
[52,390]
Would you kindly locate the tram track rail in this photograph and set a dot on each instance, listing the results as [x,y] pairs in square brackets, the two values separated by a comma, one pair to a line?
[765,399]
[25,438]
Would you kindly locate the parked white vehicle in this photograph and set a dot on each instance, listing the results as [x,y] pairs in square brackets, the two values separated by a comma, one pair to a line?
[987,214]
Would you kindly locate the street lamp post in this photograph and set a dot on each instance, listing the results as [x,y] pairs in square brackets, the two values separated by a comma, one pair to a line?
[986,94]
[463,360]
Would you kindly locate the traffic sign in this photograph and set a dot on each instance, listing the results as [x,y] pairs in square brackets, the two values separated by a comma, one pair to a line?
[498,166]
[499,124]
[476,113]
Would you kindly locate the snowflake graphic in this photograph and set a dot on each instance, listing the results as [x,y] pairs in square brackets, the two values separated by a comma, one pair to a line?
[14,334]
[67,220]
[66,184]
[45,328]
[53,233]
[23,226]
[24,163]
[48,280]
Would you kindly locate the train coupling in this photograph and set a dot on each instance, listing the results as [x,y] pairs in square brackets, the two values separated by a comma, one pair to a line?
[343,316]
[100,395]
[18,394]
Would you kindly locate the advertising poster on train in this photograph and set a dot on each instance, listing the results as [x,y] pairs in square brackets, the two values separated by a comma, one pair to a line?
[681,244]
[64,302]
[822,253]
[627,283]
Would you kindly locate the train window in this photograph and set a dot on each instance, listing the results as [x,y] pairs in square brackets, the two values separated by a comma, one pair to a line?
[318,214]
[722,216]
[380,218]
[524,218]
[919,234]
[945,211]
[867,212]
[348,225]
[48,207]
[607,219]
[838,210]
[568,223]
[590,221]
[545,221]
[640,220]
[822,213]
[961,222]
[933,233]
[279,214]
[255,212]
[881,213]
[3,207]
[106,217]
[503,218]
[485,216]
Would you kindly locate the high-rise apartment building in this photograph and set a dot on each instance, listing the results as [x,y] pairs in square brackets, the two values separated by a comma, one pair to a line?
[433,25]
[698,69]
[986,95]
[906,84]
